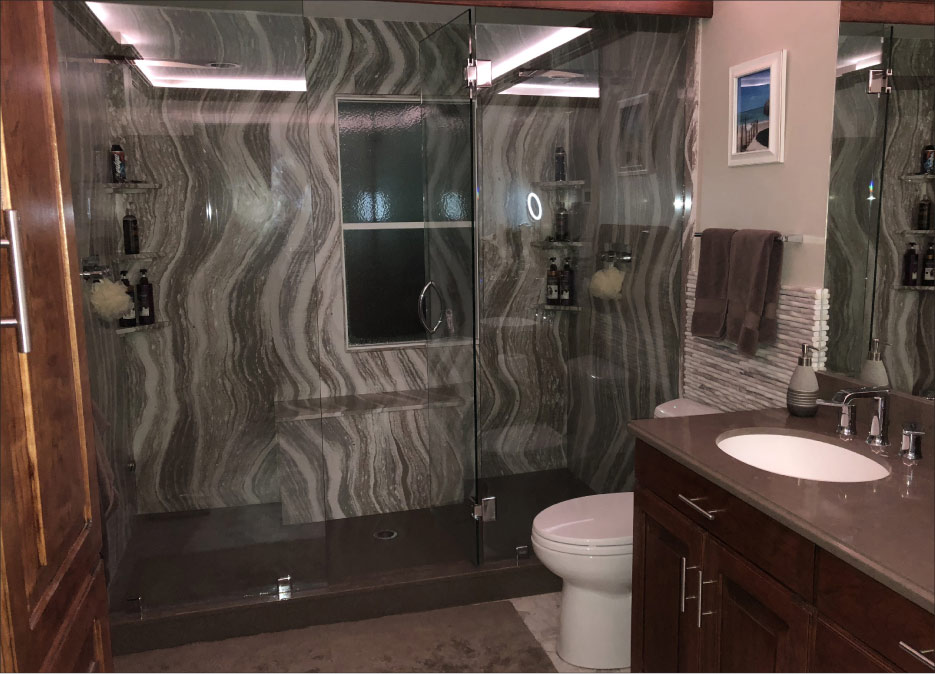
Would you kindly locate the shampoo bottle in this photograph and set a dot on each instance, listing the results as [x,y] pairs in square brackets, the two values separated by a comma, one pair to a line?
[131,232]
[128,320]
[802,394]
[551,283]
[145,301]
[566,290]
[873,371]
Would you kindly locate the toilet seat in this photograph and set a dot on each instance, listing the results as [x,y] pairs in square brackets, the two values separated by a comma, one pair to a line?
[590,522]
[588,550]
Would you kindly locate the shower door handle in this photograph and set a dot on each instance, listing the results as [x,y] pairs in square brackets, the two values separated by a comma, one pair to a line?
[20,318]
[421,309]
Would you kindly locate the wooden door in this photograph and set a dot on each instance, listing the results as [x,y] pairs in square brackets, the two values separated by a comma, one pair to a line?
[54,603]
[751,623]
[668,552]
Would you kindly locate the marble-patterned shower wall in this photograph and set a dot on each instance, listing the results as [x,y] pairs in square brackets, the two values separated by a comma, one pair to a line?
[865,301]
[245,230]
[557,389]
[84,85]
[904,320]
[245,234]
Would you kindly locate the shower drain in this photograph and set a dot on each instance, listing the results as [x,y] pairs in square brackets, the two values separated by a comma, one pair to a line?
[385,534]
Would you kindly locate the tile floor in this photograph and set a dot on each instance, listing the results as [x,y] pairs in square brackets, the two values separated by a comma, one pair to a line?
[541,614]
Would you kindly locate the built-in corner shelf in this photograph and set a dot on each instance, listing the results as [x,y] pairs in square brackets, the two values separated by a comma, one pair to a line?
[130,188]
[558,307]
[557,185]
[137,257]
[917,288]
[142,328]
[551,245]
[918,232]
[919,178]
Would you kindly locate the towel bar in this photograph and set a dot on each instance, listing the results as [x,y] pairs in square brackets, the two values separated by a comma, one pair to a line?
[785,238]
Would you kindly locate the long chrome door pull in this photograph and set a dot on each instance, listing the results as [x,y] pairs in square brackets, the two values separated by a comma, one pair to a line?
[20,319]
[421,308]
[691,502]
[682,587]
[919,655]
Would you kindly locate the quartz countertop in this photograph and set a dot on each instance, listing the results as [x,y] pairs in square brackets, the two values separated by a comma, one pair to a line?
[885,528]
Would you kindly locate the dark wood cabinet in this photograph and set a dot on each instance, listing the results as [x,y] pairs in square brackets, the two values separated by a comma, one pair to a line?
[834,650]
[754,596]
[750,623]
[667,560]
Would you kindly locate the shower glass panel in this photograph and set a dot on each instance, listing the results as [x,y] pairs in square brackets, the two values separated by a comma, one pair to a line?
[447,302]
[207,422]
[558,383]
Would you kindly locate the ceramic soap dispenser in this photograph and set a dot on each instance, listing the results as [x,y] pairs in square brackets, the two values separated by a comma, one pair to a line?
[873,371]
[802,394]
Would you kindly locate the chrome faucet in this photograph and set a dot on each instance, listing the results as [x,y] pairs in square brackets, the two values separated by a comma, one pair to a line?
[847,425]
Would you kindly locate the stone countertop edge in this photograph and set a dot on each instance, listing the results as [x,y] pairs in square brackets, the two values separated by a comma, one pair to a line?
[642,429]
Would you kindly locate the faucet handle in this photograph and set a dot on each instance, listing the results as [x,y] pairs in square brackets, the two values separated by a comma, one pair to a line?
[847,423]
[845,395]
[911,446]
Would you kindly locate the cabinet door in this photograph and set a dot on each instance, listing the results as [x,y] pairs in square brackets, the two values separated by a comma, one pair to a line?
[668,551]
[53,604]
[750,623]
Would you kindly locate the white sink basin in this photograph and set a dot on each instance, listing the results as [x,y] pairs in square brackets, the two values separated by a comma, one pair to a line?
[802,457]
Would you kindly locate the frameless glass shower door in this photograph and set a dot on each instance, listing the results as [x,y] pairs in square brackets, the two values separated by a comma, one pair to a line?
[446,304]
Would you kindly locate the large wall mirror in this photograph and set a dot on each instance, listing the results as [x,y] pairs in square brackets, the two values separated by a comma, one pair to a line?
[880,259]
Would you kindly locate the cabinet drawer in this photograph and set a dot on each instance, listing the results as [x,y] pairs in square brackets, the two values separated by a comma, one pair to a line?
[874,613]
[833,650]
[780,552]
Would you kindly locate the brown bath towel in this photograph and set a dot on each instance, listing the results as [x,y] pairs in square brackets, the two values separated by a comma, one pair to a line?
[753,288]
[708,319]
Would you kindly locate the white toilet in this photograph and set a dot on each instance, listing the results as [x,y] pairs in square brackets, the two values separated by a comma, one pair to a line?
[588,542]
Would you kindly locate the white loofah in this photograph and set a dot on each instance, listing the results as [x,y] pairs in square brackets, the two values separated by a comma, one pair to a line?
[110,300]
[606,284]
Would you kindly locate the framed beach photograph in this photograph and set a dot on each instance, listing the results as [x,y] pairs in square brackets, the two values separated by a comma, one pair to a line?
[632,139]
[757,111]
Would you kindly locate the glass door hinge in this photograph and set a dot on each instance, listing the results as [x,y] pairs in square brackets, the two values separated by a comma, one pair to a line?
[486,510]
[879,82]
[478,74]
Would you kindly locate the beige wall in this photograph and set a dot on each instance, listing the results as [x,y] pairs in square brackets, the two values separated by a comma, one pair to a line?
[791,197]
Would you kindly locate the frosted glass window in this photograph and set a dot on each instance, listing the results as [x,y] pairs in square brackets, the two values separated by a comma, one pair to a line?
[380,144]
[381,161]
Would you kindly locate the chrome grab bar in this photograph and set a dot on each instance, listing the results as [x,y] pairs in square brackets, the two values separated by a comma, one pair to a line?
[421,308]
[20,319]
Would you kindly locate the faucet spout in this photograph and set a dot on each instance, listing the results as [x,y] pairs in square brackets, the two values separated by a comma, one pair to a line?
[880,423]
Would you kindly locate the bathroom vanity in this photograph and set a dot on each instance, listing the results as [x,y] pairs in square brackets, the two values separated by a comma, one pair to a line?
[740,569]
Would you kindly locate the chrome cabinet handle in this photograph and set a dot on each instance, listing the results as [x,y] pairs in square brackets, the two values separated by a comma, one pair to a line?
[701,584]
[919,655]
[691,502]
[682,587]
[421,308]
[20,319]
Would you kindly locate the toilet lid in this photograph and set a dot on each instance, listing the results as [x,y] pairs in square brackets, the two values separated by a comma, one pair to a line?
[602,519]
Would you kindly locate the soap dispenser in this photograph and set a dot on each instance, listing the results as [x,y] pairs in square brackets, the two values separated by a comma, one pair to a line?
[873,371]
[802,394]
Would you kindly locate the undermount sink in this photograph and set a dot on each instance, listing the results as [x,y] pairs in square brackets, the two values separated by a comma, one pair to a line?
[800,456]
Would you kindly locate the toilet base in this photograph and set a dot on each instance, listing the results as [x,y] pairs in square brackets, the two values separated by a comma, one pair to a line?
[595,628]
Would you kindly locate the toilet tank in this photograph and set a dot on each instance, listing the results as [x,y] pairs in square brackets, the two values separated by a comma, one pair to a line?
[682,407]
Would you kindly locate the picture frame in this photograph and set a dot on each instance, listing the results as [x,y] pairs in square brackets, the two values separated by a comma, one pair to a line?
[632,136]
[757,111]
